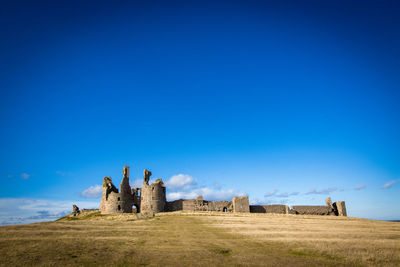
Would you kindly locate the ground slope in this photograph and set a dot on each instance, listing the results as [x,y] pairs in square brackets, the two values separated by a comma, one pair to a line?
[202,239]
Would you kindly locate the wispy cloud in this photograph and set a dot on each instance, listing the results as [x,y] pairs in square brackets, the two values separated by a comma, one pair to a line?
[47,215]
[360,187]
[94,191]
[25,175]
[389,184]
[286,195]
[22,210]
[322,192]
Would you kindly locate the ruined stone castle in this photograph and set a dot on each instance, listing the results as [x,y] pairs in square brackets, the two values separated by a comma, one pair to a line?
[152,198]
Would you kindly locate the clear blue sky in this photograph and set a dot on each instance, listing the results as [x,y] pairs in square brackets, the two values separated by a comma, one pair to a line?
[284,101]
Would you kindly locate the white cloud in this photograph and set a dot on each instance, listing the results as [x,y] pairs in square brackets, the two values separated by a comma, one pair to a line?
[360,187]
[389,184]
[184,186]
[180,182]
[25,175]
[22,210]
[94,191]
[322,192]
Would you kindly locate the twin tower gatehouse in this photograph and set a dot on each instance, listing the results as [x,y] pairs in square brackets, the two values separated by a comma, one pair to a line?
[148,198]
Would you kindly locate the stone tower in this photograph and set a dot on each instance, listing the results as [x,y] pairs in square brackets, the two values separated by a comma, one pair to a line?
[126,192]
[240,204]
[152,196]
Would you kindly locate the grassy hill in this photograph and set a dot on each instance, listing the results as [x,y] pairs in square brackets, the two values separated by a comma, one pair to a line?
[202,239]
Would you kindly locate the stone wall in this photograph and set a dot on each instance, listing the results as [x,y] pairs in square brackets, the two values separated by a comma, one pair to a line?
[174,205]
[224,206]
[280,209]
[199,205]
[311,210]
[187,205]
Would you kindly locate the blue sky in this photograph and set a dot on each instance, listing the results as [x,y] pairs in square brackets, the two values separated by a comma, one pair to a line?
[284,101]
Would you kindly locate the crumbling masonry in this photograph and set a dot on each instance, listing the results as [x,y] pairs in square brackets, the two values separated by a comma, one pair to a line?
[152,198]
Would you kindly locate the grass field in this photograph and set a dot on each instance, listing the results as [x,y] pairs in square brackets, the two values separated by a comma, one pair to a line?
[202,239]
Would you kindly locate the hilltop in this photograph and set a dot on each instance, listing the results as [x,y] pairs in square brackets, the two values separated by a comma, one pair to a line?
[201,239]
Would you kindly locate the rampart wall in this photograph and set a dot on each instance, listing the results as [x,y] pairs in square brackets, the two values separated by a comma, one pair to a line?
[199,205]
[280,209]
[338,208]
[311,210]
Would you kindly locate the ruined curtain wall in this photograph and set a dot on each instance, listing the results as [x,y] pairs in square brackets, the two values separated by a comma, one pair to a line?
[280,209]
[311,210]
[196,205]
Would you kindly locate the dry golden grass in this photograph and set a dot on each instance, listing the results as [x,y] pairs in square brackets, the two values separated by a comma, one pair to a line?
[201,239]
[357,241]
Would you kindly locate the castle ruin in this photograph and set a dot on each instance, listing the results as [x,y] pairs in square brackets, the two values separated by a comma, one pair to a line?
[152,198]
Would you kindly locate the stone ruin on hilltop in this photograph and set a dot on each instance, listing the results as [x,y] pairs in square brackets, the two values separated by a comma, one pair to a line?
[152,198]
